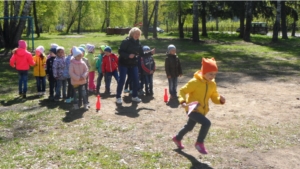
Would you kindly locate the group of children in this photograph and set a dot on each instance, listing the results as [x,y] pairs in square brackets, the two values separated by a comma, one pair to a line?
[75,73]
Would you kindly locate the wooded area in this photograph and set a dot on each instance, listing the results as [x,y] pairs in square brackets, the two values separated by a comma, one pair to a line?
[65,16]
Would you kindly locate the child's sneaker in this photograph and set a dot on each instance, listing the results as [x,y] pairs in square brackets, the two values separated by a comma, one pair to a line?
[75,107]
[136,99]
[178,143]
[119,101]
[69,100]
[126,91]
[86,106]
[200,147]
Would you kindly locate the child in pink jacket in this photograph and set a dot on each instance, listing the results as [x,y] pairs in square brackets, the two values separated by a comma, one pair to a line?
[78,71]
[22,60]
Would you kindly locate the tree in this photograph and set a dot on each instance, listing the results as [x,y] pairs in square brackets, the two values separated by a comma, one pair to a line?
[195,21]
[155,18]
[248,21]
[36,23]
[277,22]
[203,18]
[283,21]
[12,29]
[145,18]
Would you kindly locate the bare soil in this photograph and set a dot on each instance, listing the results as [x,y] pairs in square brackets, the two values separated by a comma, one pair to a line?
[250,100]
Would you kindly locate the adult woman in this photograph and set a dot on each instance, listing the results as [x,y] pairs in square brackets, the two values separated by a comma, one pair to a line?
[129,49]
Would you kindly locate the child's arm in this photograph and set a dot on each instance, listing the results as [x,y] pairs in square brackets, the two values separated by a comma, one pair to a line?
[186,89]
[167,68]
[30,60]
[143,66]
[216,98]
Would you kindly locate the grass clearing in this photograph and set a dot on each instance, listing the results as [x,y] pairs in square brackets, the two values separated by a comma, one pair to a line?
[36,133]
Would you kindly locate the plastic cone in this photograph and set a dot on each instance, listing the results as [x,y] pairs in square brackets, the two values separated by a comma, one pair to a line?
[166,98]
[98,103]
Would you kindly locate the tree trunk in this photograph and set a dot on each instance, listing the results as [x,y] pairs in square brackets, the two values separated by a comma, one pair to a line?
[248,21]
[21,24]
[180,22]
[155,19]
[6,29]
[79,18]
[294,28]
[277,22]
[137,11]
[195,21]
[242,20]
[203,17]
[107,13]
[37,29]
[145,18]
[283,21]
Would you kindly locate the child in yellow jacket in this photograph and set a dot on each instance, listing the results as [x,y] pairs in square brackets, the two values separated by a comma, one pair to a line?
[199,89]
[39,71]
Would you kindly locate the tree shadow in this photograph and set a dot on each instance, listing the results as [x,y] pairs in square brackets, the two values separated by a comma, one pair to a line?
[195,163]
[73,115]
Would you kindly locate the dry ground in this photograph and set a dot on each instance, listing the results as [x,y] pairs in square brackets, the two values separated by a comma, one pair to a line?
[256,128]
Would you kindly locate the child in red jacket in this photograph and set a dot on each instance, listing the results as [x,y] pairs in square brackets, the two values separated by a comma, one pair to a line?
[109,67]
[21,60]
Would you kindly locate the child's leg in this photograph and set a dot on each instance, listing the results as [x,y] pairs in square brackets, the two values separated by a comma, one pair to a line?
[116,75]
[58,88]
[43,80]
[64,89]
[188,127]
[99,79]
[38,85]
[175,86]
[170,80]
[146,82]
[76,94]
[151,84]
[84,93]
[205,125]
[91,81]
[108,76]
[51,87]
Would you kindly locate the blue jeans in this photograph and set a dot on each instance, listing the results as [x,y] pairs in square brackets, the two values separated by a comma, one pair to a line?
[194,118]
[99,79]
[134,76]
[70,90]
[80,91]
[61,84]
[108,76]
[23,77]
[148,80]
[128,84]
[40,83]
[173,86]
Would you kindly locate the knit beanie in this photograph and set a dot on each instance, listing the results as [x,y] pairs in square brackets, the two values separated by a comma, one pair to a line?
[102,47]
[22,44]
[81,49]
[208,65]
[90,48]
[53,50]
[107,49]
[59,48]
[146,48]
[170,47]
[53,45]
[83,45]
[76,51]
[41,49]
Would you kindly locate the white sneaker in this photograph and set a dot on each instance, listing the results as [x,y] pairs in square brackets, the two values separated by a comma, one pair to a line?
[86,106]
[136,99]
[119,101]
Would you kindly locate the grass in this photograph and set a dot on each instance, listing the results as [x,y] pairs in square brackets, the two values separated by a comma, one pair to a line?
[38,134]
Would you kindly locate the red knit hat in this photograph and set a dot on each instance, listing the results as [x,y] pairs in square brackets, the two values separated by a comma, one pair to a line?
[22,44]
[208,65]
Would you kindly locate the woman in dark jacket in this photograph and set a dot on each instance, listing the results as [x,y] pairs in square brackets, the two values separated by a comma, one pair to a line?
[129,49]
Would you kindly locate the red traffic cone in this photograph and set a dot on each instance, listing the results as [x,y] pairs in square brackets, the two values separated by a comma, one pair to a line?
[98,103]
[166,98]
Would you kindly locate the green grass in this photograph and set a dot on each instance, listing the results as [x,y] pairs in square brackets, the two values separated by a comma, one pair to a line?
[38,134]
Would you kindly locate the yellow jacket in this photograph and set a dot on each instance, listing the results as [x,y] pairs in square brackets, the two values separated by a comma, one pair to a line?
[39,67]
[201,90]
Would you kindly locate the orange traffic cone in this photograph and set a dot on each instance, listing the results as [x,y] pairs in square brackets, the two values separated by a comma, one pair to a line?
[166,98]
[98,103]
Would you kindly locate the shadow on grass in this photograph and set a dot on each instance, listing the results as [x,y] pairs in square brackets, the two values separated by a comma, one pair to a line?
[130,111]
[73,115]
[195,163]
